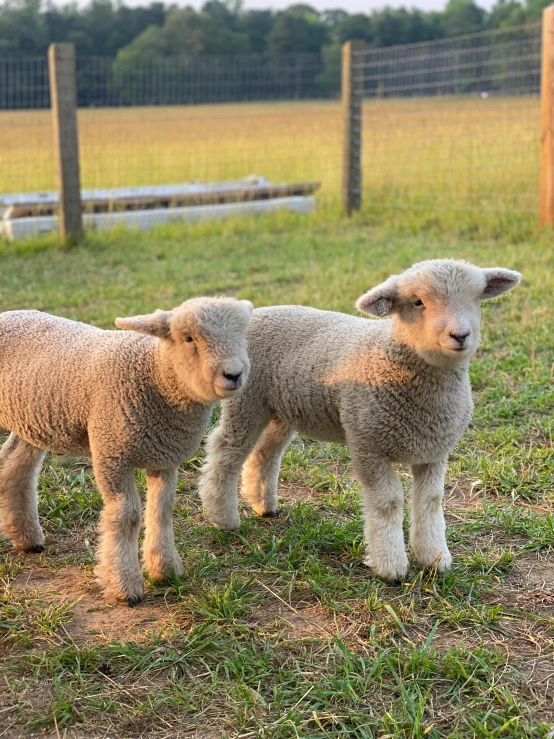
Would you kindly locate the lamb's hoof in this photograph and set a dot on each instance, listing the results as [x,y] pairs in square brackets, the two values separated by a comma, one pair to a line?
[433,560]
[271,514]
[36,549]
[132,602]
[230,524]
[393,574]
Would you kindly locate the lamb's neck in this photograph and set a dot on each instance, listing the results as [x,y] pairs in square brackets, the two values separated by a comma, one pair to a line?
[173,391]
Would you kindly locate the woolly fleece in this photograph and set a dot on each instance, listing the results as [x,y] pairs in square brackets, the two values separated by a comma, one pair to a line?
[395,390]
[130,401]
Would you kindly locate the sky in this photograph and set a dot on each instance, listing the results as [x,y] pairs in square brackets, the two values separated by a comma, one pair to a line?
[355,6]
[351,6]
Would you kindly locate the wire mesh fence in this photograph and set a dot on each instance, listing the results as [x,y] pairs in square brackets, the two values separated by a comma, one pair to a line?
[171,120]
[454,124]
[26,156]
[451,124]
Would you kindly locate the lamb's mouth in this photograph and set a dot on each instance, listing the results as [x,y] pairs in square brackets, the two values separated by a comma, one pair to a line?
[225,391]
[455,349]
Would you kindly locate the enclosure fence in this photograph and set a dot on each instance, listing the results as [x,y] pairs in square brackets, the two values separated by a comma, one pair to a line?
[445,125]
[453,123]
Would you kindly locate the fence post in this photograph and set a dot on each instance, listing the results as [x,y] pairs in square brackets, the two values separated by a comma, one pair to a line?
[63,97]
[546,204]
[352,88]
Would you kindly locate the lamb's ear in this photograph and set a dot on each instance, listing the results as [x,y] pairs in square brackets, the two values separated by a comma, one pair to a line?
[380,300]
[498,282]
[154,324]
[248,304]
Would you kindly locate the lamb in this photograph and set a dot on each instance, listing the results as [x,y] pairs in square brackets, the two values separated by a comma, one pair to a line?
[395,390]
[130,401]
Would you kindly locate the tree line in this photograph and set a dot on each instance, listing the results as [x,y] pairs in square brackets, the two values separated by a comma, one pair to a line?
[110,28]
[164,55]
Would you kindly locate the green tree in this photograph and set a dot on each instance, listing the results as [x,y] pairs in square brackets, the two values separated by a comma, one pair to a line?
[23,30]
[462,16]
[298,28]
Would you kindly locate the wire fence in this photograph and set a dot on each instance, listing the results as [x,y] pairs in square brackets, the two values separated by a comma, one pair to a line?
[173,120]
[454,124]
[447,125]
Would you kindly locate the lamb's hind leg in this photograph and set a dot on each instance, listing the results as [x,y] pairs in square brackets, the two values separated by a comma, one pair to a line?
[20,465]
[260,474]
[118,569]
[227,448]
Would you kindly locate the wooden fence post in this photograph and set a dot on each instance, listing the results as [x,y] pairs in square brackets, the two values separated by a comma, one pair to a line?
[546,204]
[63,97]
[352,92]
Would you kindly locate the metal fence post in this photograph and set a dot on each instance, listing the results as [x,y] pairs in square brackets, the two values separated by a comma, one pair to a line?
[352,89]
[63,96]
[546,203]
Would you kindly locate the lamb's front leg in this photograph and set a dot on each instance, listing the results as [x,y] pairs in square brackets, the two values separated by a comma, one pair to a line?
[382,501]
[160,555]
[227,448]
[428,528]
[118,570]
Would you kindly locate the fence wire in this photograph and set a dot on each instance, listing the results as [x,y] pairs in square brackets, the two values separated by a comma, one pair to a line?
[26,136]
[447,125]
[453,124]
[173,120]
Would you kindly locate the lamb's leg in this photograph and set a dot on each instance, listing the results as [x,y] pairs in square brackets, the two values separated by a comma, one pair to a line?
[118,569]
[428,528]
[260,473]
[227,448]
[20,465]
[382,501]
[159,553]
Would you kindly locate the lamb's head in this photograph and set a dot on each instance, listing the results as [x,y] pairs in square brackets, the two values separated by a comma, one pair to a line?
[435,307]
[204,340]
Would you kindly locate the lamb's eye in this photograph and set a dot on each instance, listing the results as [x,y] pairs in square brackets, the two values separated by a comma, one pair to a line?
[187,338]
[418,303]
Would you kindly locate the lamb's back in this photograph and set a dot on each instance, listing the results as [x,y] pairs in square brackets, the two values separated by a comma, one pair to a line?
[53,370]
[294,352]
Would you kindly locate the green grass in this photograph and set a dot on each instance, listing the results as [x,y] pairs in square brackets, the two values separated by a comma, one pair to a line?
[278,631]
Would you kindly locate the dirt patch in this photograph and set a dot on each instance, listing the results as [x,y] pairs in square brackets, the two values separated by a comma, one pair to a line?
[294,492]
[92,619]
[529,586]
[463,495]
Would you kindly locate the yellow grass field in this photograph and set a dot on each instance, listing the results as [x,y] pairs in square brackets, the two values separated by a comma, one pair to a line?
[438,153]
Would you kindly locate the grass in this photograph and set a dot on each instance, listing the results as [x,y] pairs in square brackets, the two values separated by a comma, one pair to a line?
[277,631]
[441,155]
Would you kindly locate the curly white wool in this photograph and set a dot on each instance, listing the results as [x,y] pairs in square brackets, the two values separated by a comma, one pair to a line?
[395,390]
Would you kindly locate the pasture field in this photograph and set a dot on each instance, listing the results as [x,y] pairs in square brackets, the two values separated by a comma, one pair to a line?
[278,631]
[442,155]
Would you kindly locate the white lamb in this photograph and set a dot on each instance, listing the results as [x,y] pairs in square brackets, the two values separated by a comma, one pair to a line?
[131,402]
[395,391]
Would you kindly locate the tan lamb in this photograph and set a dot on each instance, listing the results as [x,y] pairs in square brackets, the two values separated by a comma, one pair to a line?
[130,401]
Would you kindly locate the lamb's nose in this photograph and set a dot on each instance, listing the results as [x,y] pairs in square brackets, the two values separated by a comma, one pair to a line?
[460,338]
[233,378]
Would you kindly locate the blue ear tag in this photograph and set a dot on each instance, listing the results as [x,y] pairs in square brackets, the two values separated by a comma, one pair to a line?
[383,306]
